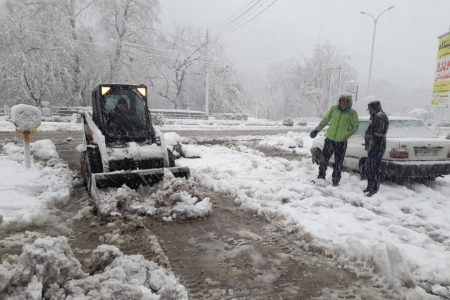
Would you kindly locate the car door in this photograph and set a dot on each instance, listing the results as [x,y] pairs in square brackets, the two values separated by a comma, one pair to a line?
[355,147]
[355,151]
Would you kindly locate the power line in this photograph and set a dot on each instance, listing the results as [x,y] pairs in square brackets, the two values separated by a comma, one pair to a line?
[248,21]
[248,8]
[137,46]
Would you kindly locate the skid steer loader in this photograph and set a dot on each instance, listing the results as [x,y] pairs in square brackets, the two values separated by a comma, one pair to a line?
[121,146]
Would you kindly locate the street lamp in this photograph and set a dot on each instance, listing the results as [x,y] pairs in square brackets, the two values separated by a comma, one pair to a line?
[375,20]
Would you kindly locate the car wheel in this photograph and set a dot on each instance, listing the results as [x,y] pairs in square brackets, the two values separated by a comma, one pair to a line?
[363,169]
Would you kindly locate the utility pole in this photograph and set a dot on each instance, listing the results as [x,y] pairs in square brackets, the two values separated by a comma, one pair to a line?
[188,91]
[206,74]
[339,80]
[329,89]
[339,67]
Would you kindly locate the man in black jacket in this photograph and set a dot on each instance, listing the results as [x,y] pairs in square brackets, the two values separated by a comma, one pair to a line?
[375,143]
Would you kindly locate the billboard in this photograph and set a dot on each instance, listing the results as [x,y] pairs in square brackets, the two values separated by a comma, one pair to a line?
[441,87]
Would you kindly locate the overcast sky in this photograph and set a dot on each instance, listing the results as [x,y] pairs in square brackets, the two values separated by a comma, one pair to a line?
[406,38]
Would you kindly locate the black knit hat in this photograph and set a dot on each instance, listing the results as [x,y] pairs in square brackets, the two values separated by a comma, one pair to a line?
[375,105]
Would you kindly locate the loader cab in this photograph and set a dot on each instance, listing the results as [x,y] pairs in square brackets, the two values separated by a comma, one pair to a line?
[121,113]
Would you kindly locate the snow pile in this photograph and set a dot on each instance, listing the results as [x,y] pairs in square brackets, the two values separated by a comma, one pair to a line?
[6,126]
[44,150]
[60,126]
[173,143]
[26,117]
[292,141]
[171,199]
[25,192]
[172,138]
[403,232]
[18,240]
[47,268]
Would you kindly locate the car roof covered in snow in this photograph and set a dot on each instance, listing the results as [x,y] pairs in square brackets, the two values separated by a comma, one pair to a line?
[391,118]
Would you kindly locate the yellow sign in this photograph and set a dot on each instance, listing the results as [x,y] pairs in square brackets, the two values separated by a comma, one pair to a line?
[444,46]
[441,87]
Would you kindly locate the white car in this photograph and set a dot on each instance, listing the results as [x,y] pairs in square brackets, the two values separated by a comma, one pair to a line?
[413,151]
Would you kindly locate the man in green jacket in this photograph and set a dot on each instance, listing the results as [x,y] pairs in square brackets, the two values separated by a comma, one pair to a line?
[343,123]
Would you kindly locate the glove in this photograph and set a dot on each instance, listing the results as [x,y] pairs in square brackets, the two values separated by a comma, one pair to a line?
[313,133]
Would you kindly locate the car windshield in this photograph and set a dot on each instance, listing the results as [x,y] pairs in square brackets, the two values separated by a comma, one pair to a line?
[401,129]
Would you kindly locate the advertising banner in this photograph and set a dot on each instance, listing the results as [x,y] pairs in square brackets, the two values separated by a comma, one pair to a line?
[441,87]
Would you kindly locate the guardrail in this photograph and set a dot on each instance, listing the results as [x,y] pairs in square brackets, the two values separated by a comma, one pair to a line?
[66,111]
[179,114]
[165,113]
[230,116]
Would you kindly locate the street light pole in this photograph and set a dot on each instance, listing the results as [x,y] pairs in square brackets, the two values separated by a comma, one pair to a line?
[375,21]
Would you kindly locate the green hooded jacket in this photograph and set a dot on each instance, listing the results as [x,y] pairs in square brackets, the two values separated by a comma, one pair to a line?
[343,123]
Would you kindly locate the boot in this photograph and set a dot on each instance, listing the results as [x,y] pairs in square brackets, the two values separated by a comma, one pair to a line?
[371,193]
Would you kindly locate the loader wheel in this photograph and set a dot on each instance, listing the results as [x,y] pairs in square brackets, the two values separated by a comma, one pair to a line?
[95,160]
[83,168]
[93,164]
[171,158]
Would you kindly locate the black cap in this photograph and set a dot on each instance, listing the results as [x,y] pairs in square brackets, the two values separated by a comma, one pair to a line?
[376,105]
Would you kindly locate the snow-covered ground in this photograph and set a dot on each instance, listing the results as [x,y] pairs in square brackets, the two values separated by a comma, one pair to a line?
[73,124]
[404,231]
[26,192]
[251,123]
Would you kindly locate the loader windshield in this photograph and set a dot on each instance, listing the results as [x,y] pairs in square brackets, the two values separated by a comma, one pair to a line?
[126,118]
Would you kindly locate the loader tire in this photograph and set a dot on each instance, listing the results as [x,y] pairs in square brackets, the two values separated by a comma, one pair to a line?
[95,160]
[171,158]
[83,171]
[93,164]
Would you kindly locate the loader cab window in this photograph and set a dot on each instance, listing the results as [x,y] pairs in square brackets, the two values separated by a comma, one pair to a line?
[125,115]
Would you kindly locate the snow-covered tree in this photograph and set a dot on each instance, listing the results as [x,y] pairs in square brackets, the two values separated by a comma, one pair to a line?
[185,59]
[321,76]
[294,89]
[130,27]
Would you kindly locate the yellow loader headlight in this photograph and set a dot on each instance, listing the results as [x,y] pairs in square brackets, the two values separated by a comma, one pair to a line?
[105,90]
[142,91]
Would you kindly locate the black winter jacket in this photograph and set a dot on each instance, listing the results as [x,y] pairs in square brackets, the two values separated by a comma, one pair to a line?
[375,137]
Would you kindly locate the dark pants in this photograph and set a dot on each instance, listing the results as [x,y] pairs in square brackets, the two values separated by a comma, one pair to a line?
[330,147]
[373,170]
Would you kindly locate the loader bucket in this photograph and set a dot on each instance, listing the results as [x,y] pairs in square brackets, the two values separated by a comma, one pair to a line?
[135,178]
